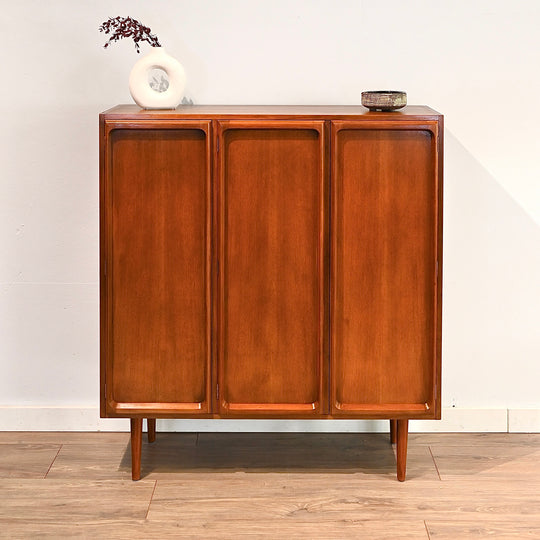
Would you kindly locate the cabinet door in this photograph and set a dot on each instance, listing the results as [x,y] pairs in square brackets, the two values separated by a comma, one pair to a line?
[156,248]
[272,317]
[385,230]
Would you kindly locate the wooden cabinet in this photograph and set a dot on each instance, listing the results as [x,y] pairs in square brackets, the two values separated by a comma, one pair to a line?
[271,262]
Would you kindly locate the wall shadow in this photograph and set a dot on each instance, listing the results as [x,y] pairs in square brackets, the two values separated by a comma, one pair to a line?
[491,289]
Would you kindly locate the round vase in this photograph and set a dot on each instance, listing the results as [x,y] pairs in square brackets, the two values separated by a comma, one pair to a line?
[152,98]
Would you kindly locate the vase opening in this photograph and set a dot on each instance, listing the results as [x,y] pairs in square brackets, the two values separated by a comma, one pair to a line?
[158,80]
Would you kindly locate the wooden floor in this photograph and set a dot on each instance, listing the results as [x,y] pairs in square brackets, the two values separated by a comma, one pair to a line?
[229,486]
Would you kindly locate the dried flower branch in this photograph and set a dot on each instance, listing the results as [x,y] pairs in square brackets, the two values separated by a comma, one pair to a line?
[122,27]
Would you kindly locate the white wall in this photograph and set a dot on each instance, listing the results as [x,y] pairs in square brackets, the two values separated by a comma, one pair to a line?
[475,61]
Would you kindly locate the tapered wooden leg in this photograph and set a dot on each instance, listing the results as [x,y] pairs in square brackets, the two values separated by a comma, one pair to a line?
[151,423]
[136,443]
[393,431]
[401,450]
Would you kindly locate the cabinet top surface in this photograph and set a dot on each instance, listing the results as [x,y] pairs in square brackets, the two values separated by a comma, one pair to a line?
[280,111]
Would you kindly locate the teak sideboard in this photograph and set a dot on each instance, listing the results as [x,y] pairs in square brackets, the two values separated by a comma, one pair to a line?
[271,262]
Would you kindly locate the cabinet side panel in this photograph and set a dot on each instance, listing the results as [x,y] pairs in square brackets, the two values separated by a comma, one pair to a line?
[384,256]
[272,299]
[159,285]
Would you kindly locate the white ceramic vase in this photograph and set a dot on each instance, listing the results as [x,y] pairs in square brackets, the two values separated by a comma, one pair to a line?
[151,98]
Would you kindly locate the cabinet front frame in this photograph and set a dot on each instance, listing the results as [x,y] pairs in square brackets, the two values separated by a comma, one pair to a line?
[431,409]
[214,129]
[319,408]
[108,406]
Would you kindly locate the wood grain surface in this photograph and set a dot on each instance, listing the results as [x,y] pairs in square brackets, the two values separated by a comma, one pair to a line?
[159,267]
[74,501]
[26,460]
[222,112]
[384,242]
[272,268]
[489,487]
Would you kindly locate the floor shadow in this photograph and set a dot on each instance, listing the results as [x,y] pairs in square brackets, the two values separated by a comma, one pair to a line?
[369,453]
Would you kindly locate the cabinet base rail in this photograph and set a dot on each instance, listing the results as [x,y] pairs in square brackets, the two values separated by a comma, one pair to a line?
[399,433]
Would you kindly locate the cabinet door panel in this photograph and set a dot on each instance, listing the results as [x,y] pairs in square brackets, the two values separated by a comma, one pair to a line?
[384,245]
[158,270]
[272,268]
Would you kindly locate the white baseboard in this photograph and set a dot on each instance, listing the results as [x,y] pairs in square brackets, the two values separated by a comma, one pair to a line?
[31,418]
[454,420]
[524,420]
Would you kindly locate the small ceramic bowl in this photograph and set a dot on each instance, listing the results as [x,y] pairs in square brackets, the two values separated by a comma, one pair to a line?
[384,100]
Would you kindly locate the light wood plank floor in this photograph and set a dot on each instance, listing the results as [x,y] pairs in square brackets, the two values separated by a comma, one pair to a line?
[278,486]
